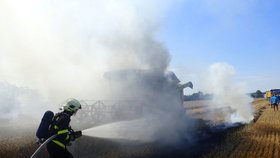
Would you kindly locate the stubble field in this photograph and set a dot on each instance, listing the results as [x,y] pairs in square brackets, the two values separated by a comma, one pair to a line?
[258,139]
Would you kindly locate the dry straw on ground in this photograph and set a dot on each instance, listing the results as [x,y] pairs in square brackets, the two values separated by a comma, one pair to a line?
[258,139]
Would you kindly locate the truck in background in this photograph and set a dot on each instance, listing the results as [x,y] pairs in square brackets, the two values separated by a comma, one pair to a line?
[269,93]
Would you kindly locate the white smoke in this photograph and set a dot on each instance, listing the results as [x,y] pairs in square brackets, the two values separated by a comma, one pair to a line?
[61,49]
[17,102]
[228,93]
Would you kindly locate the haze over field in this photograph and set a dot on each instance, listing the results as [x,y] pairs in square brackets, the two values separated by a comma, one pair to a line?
[54,50]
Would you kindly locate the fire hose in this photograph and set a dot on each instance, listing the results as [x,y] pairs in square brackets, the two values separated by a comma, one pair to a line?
[36,153]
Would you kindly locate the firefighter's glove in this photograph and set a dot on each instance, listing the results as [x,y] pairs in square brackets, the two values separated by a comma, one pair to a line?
[77,134]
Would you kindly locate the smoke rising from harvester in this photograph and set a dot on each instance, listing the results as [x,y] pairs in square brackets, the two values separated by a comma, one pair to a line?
[228,94]
[62,49]
[56,50]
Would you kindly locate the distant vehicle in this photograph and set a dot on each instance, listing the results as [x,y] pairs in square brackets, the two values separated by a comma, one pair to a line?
[269,93]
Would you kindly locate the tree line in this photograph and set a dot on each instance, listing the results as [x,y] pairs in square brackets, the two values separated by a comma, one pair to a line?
[257,94]
[198,96]
[201,96]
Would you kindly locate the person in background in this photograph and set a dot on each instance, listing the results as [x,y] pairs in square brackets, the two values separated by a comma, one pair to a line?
[274,101]
[60,126]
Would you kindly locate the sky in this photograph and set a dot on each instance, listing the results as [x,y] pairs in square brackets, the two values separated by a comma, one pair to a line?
[86,38]
[243,34]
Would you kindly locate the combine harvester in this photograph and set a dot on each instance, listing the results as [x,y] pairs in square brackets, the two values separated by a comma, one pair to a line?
[129,95]
[136,93]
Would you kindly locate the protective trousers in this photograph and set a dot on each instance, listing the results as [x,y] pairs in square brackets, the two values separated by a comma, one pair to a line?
[56,151]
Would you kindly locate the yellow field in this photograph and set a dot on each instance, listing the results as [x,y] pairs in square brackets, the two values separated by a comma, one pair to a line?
[17,147]
[257,140]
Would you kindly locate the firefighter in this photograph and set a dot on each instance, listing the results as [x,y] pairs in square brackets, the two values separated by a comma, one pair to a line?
[60,126]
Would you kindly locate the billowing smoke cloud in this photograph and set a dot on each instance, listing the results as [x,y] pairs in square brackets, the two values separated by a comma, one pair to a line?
[17,102]
[61,49]
[228,93]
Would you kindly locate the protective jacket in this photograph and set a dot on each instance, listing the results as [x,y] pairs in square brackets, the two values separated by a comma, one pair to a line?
[60,126]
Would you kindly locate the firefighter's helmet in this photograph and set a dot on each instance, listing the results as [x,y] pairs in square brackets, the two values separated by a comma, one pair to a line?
[72,105]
